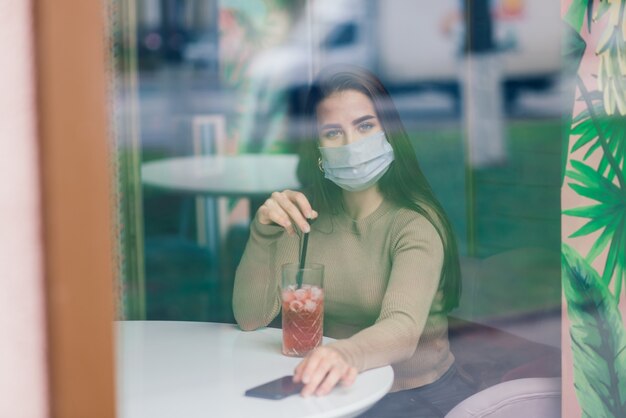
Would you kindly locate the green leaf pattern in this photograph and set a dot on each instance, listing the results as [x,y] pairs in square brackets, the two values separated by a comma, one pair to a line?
[609,213]
[612,51]
[614,129]
[598,337]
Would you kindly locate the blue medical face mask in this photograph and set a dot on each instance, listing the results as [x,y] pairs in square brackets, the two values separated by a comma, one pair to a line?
[359,165]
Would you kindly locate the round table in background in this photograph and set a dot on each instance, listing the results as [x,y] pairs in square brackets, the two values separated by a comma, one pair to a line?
[253,176]
[208,177]
[199,369]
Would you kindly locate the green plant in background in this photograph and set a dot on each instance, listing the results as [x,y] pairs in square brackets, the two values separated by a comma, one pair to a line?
[597,329]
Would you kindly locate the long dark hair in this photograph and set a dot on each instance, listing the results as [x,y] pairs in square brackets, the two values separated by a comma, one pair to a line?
[404,184]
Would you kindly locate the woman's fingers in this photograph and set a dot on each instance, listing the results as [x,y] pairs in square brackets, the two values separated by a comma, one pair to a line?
[330,381]
[287,209]
[302,202]
[285,201]
[271,211]
[297,373]
[315,376]
[349,376]
[321,370]
[310,366]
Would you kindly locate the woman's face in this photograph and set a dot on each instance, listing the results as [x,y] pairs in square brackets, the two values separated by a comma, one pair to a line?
[346,117]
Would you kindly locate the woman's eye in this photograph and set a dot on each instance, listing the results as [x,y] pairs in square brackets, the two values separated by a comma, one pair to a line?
[366,126]
[332,134]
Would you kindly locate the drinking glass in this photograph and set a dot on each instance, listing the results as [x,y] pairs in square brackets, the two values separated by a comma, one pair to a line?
[302,295]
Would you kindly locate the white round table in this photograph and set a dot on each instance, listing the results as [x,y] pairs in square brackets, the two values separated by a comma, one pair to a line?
[246,175]
[251,176]
[199,369]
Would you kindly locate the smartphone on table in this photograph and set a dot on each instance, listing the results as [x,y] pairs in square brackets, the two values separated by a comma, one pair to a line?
[276,389]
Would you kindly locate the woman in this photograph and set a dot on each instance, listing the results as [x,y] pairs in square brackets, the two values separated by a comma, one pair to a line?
[391,263]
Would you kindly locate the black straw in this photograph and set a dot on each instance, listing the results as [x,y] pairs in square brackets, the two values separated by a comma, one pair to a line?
[305,244]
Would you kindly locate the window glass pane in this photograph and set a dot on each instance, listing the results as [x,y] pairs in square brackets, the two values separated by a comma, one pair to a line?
[210,117]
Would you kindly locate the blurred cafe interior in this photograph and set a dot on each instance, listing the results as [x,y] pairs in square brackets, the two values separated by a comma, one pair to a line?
[210,78]
[195,116]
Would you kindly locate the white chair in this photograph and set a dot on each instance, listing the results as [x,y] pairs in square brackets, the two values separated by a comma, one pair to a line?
[521,398]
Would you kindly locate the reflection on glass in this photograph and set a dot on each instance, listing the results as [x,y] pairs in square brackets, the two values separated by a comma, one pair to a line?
[214,82]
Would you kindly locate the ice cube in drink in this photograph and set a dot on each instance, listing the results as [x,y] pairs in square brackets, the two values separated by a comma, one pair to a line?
[303,317]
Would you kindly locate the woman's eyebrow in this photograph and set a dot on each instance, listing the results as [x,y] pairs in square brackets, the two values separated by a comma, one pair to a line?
[362,118]
[331,126]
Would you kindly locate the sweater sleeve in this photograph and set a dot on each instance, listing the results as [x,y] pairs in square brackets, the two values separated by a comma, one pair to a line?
[417,259]
[256,297]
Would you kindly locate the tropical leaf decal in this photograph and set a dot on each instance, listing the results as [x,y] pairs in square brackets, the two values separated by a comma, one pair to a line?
[603,7]
[613,128]
[598,339]
[575,15]
[611,49]
[597,332]
[608,214]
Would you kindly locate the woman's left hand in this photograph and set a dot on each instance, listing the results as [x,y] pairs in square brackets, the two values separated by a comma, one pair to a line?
[321,370]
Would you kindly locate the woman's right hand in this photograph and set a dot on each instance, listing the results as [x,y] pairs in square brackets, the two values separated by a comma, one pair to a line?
[287,208]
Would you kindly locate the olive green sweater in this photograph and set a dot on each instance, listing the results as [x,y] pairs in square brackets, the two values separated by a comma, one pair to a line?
[381,280]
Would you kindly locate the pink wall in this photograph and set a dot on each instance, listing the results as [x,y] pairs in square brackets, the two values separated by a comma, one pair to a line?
[23,380]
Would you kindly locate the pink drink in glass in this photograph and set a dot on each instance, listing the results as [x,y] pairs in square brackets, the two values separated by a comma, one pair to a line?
[303,318]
